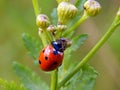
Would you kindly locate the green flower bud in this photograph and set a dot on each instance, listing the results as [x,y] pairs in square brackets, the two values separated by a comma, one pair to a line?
[61,27]
[52,28]
[40,30]
[66,11]
[42,21]
[118,13]
[92,7]
[59,1]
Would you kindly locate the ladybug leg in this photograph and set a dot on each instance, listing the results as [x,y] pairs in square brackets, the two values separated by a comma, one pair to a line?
[43,51]
[39,62]
[55,63]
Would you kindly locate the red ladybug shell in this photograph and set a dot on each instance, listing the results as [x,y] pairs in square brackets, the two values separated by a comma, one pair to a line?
[49,59]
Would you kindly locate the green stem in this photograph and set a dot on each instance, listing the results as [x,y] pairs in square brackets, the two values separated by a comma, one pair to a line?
[107,35]
[36,7]
[58,34]
[43,38]
[54,80]
[44,35]
[48,35]
[82,19]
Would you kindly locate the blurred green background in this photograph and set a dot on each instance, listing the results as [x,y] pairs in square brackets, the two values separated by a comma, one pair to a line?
[17,17]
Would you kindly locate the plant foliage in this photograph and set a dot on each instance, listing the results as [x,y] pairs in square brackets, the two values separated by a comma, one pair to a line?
[10,85]
[33,45]
[77,42]
[29,78]
[83,80]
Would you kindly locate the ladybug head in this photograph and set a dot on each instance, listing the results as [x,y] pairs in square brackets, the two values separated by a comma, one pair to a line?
[61,44]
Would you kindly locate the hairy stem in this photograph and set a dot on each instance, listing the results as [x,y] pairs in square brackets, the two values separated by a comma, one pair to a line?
[44,36]
[107,35]
[36,7]
[48,35]
[82,19]
[54,80]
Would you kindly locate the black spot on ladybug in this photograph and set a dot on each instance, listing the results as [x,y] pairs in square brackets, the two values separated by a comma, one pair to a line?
[43,51]
[55,63]
[39,62]
[46,58]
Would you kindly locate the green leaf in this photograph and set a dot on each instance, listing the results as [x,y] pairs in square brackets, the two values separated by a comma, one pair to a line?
[29,78]
[34,46]
[54,16]
[83,80]
[77,42]
[79,4]
[10,85]
[88,77]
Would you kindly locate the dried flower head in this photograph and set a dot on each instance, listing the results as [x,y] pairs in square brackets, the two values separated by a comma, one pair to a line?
[42,21]
[61,27]
[66,11]
[92,7]
[52,28]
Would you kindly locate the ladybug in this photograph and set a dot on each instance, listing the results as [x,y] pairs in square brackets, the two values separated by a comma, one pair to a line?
[50,59]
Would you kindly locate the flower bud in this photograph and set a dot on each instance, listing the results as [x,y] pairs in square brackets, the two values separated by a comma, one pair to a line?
[52,28]
[61,27]
[42,21]
[66,11]
[92,7]
[40,30]
[118,13]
